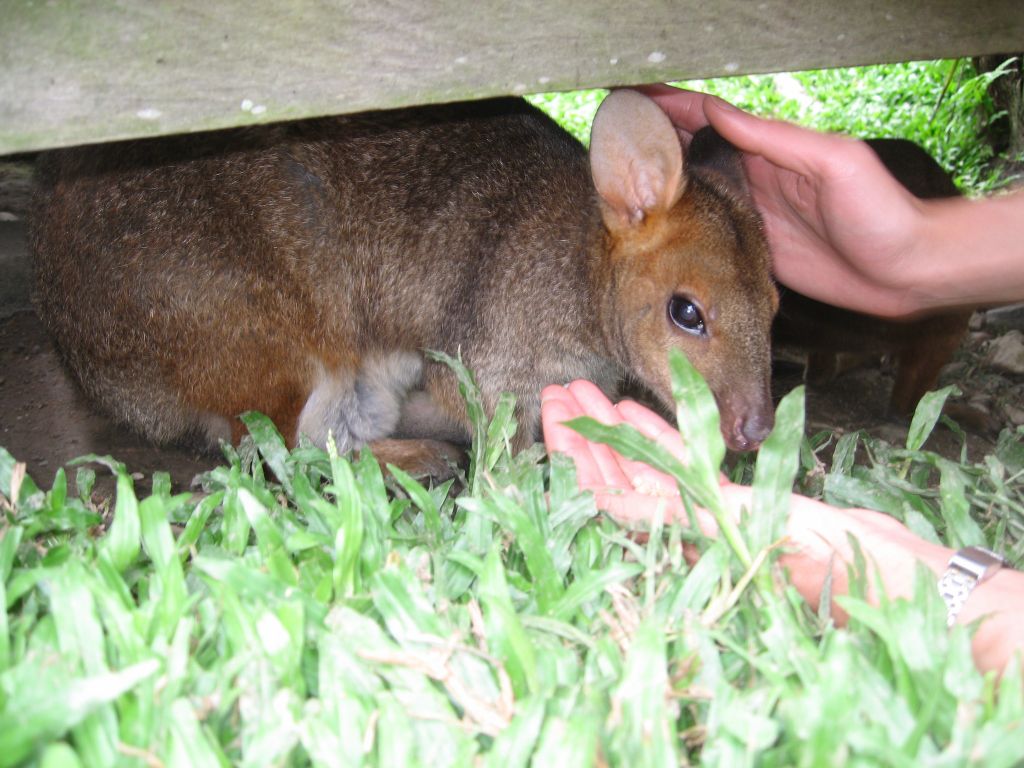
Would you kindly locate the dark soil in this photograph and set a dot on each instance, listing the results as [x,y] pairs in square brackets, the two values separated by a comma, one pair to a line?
[45,421]
[990,400]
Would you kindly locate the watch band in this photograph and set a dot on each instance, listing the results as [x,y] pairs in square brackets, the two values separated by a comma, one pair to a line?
[966,569]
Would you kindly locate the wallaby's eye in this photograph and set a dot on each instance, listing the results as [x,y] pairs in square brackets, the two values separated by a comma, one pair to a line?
[686,314]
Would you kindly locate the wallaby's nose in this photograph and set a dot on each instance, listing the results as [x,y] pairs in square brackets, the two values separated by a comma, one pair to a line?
[749,430]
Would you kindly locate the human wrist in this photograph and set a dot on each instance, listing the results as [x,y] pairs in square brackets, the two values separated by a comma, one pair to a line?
[994,605]
[820,538]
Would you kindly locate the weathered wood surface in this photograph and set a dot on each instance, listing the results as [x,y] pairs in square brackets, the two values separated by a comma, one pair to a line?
[77,71]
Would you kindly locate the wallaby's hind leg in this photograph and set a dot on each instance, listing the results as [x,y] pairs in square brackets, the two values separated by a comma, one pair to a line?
[423,418]
[420,458]
[916,373]
[131,397]
[822,367]
[918,369]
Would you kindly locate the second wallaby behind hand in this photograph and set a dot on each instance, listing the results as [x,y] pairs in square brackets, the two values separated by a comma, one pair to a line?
[920,347]
[302,269]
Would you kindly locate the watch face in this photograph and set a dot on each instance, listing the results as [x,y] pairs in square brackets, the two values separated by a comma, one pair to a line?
[977,561]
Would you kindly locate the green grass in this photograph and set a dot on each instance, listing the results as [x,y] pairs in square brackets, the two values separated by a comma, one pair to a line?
[941,105]
[326,615]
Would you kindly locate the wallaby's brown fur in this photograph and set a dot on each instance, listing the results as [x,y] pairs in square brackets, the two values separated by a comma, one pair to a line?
[301,269]
[921,347]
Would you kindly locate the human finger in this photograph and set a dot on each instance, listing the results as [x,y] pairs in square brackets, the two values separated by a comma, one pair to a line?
[644,477]
[684,108]
[594,403]
[559,438]
[784,144]
[596,465]
[653,426]
[615,495]
[557,406]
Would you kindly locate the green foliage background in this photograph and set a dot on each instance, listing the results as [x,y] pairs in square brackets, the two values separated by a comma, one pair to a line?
[941,105]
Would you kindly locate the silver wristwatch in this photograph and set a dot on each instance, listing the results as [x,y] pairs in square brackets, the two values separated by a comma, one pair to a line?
[966,569]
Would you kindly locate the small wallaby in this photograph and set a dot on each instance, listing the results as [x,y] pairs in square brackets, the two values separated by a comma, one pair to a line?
[301,270]
[920,347]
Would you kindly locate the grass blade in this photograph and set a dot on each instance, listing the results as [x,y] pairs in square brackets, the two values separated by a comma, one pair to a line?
[49,703]
[926,415]
[122,542]
[270,444]
[531,542]
[505,634]
[646,737]
[775,472]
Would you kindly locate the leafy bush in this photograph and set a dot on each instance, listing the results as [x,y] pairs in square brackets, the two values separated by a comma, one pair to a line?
[941,105]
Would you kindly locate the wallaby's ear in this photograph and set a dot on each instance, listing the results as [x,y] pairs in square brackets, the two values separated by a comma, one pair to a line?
[635,159]
[710,153]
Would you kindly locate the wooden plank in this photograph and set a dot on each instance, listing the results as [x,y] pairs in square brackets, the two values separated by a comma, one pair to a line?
[77,71]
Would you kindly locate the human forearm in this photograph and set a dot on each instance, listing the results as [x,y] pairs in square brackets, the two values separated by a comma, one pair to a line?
[970,253]
[820,536]
[999,603]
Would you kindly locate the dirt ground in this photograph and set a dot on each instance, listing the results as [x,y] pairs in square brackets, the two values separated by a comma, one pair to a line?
[45,422]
